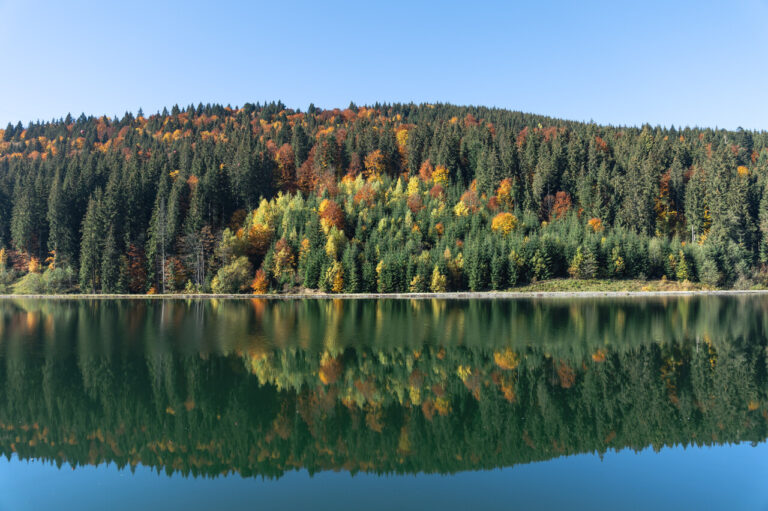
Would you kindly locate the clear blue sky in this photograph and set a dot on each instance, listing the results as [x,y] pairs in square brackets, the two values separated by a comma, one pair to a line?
[682,63]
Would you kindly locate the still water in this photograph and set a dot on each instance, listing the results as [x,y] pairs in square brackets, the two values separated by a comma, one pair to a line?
[655,403]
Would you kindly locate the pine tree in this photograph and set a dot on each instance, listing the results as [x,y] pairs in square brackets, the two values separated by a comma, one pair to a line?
[60,237]
[91,244]
[110,264]
[351,272]
[300,144]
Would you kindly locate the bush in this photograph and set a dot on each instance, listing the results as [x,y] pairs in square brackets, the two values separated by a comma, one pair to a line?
[234,277]
[6,280]
[52,281]
[30,284]
[58,280]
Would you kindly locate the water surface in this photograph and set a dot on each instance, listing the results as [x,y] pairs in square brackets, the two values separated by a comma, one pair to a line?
[378,404]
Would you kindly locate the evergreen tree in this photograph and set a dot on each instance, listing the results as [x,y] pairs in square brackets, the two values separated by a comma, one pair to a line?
[91,244]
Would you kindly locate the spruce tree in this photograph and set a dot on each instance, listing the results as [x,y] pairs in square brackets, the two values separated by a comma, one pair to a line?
[91,245]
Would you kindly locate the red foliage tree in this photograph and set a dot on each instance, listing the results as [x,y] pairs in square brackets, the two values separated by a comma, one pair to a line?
[331,215]
[562,204]
[415,203]
[286,163]
[437,191]
[355,165]
[426,170]
[306,175]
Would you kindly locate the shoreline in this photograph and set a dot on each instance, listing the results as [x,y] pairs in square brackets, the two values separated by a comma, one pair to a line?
[462,295]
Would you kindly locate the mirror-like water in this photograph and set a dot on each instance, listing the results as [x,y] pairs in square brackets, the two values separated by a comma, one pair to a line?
[379,404]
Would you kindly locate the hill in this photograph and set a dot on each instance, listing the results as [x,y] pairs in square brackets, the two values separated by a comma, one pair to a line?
[384,198]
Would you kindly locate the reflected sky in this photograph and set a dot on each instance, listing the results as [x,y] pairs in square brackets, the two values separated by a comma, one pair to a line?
[720,477]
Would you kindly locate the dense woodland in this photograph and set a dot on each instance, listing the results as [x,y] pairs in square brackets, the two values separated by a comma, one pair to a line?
[130,384]
[386,198]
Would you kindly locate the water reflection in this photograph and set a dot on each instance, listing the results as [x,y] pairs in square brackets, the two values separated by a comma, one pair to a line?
[263,387]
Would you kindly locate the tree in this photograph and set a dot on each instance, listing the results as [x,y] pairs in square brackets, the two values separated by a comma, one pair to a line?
[260,284]
[504,223]
[584,264]
[375,163]
[350,266]
[159,236]
[439,282]
[91,245]
[110,266]
[60,237]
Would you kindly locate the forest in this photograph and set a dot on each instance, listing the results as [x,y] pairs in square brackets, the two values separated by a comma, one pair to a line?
[80,387]
[382,198]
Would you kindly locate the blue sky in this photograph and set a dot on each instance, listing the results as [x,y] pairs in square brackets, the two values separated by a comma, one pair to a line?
[682,63]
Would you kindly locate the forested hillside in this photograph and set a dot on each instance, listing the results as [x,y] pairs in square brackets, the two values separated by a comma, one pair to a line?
[384,198]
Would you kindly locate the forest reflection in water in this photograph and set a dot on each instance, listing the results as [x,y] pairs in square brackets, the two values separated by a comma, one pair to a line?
[261,387]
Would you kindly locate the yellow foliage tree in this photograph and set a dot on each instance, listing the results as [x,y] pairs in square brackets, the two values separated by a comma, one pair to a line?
[335,244]
[439,282]
[461,209]
[416,284]
[335,275]
[34,265]
[504,194]
[440,174]
[284,259]
[504,223]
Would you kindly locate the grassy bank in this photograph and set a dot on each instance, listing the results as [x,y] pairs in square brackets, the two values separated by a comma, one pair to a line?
[562,288]
[613,286]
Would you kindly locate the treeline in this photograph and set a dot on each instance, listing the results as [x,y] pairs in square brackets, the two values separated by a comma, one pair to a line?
[384,198]
[100,396]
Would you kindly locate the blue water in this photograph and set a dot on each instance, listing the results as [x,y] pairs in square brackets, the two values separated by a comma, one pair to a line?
[722,477]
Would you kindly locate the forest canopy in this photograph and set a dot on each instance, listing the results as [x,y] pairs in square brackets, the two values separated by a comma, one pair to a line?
[382,198]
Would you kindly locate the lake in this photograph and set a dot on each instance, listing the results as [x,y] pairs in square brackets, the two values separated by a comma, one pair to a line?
[541,403]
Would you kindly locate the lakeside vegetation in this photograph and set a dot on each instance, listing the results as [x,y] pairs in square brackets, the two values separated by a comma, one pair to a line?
[386,198]
[264,387]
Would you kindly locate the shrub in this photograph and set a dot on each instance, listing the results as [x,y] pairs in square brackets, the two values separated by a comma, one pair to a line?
[234,277]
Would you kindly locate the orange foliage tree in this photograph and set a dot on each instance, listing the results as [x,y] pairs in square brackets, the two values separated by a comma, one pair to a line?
[375,164]
[331,215]
[426,170]
[260,282]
